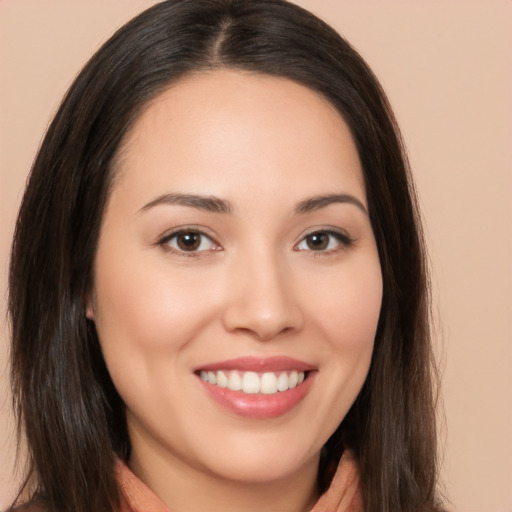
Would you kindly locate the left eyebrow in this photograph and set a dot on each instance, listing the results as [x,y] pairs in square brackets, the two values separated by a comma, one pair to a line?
[316,203]
[200,202]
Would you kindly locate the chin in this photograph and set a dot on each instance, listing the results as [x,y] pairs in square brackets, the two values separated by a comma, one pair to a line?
[260,459]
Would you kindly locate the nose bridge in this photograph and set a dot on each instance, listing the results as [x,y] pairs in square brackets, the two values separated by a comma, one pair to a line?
[260,295]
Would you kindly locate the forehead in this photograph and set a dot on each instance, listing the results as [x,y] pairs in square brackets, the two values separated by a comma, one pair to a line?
[259,130]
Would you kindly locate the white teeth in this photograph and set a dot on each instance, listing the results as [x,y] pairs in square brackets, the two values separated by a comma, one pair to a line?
[222,380]
[282,382]
[293,379]
[235,381]
[250,383]
[267,383]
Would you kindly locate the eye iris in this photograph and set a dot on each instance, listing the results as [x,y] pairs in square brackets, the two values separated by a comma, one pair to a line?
[188,241]
[318,241]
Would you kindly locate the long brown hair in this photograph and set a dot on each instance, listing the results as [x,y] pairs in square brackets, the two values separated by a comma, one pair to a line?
[64,399]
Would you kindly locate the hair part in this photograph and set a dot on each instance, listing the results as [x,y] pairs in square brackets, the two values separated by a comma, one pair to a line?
[63,395]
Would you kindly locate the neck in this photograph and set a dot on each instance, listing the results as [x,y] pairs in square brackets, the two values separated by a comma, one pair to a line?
[184,488]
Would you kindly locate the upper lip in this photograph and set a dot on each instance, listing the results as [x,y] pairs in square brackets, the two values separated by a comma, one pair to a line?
[258,364]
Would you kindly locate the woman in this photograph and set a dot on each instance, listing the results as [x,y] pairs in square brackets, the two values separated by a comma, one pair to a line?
[189,330]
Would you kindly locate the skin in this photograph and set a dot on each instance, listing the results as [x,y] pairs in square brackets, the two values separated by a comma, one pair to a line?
[256,286]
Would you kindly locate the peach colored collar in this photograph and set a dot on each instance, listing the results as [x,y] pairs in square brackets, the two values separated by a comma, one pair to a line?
[343,495]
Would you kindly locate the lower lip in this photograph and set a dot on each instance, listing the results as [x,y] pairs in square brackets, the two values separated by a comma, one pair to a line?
[259,405]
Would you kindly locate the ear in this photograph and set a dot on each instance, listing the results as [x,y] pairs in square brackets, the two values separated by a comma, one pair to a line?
[89,307]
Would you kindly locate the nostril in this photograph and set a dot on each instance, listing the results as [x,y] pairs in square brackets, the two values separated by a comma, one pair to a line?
[261,327]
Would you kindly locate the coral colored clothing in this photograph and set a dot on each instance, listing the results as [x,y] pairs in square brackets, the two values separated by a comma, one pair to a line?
[343,495]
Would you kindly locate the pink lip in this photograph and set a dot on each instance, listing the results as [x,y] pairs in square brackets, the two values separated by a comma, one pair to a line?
[259,406]
[258,364]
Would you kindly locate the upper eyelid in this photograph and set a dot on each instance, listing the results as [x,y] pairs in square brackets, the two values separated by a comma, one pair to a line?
[163,243]
[343,237]
[187,229]
[326,229]
[164,238]
[172,235]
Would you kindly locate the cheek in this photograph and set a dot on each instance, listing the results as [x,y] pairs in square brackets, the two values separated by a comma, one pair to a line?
[345,308]
[144,321]
[349,308]
[144,314]
[143,305]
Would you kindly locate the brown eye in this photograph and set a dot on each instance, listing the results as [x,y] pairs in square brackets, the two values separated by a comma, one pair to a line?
[189,241]
[324,241]
[318,241]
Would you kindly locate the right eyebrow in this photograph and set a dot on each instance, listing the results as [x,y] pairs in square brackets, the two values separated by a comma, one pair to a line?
[200,202]
[318,202]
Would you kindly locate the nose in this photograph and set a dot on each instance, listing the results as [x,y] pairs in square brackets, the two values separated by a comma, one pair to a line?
[261,300]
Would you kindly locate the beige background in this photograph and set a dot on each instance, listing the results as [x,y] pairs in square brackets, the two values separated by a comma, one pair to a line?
[446,66]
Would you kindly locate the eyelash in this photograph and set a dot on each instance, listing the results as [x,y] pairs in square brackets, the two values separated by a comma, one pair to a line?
[164,242]
[344,240]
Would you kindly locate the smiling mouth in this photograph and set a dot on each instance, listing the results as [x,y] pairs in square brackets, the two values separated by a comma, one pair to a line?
[257,388]
[252,383]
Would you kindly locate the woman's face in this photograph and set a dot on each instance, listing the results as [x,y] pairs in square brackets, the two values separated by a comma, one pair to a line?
[236,248]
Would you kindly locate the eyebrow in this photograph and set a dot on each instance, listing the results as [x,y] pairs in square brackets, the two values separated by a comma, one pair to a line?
[200,202]
[316,203]
[218,205]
